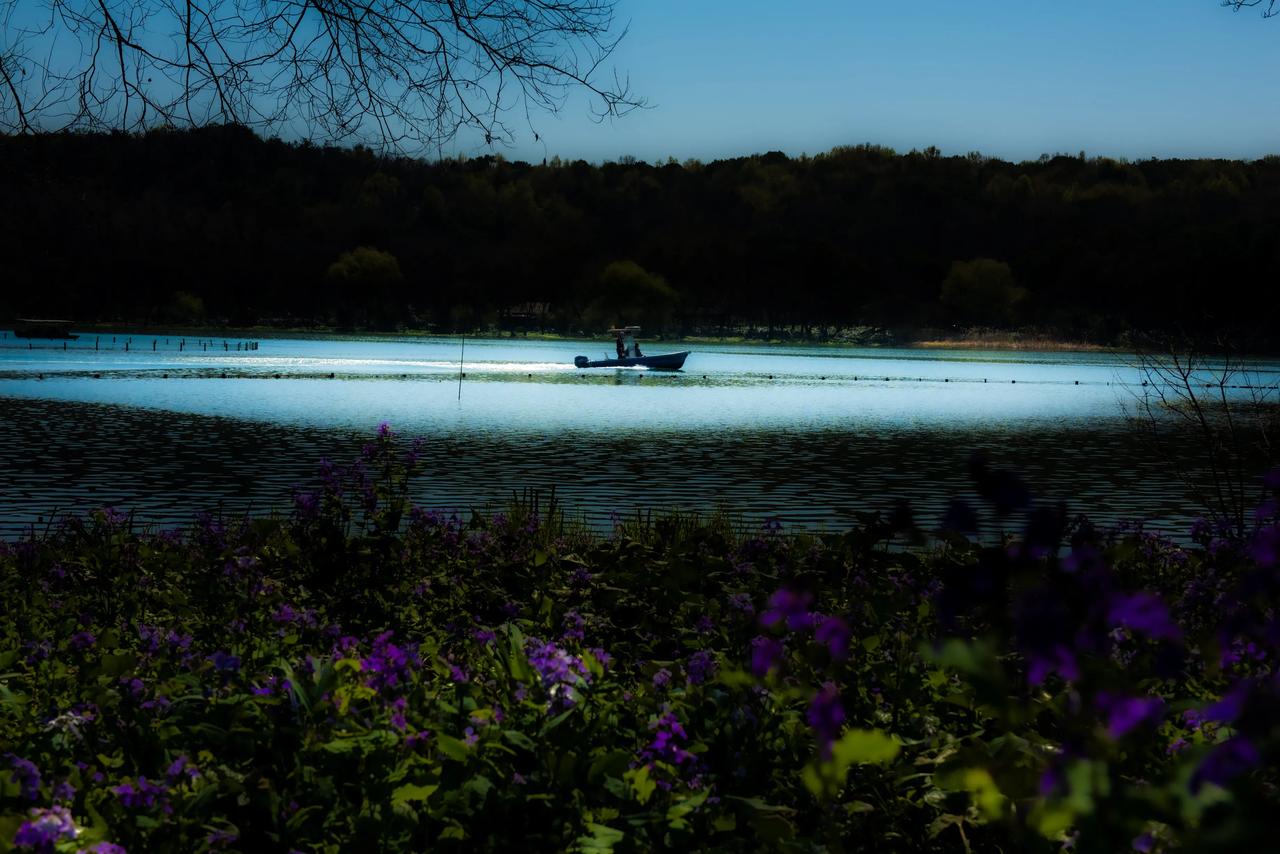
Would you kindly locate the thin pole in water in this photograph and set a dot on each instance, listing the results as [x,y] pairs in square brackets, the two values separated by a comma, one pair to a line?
[460,356]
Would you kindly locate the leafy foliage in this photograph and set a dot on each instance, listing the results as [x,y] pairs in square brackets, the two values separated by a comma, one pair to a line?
[366,673]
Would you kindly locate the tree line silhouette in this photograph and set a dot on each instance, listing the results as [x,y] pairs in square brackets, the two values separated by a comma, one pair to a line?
[217,225]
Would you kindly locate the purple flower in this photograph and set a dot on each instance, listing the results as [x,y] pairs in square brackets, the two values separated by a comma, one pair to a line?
[662,678]
[179,768]
[826,716]
[387,665]
[104,848]
[701,667]
[574,625]
[741,602]
[1266,547]
[1059,659]
[1230,706]
[398,706]
[37,651]
[26,775]
[1145,614]
[765,652]
[1125,714]
[1144,843]
[274,685]
[789,606]
[143,795]
[1052,782]
[458,674]
[306,505]
[835,634]
[221,838]
[485,636]
[225,661]
[82,640]
[561,673]
[1227,761]
[666,745]
[64,792]
[46,828]
[470,736]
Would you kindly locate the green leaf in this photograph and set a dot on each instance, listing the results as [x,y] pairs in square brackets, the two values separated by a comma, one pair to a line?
[118,664]
[758,805]
[342,745]
[865,746]
[519,739]
[452,747]
[676,812]
[602,838]
[479,784]
[813,780]
[642,785]
[412,792]
[612,764]
[772,827]
[110,761]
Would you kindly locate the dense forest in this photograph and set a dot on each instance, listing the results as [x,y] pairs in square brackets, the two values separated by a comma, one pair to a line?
[220,226]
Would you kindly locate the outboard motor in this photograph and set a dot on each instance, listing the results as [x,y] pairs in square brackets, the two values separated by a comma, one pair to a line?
[580,361]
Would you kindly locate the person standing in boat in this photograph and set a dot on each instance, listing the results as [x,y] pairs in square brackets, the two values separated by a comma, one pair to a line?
[622,350]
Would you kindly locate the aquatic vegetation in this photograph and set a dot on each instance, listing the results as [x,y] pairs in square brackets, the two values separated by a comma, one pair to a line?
[365,672]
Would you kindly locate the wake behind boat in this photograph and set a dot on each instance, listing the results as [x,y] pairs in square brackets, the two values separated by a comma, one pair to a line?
[629,355]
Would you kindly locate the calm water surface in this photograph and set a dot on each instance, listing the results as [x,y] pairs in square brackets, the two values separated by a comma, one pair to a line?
[808,435]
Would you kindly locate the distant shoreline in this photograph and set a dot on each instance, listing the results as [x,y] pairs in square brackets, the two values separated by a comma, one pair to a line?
[928,340]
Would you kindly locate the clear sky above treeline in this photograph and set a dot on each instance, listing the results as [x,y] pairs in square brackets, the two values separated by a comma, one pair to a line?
[1119,78]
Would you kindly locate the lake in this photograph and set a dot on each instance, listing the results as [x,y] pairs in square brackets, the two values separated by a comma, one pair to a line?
[807,435]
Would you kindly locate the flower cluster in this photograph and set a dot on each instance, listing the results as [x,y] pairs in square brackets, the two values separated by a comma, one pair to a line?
[46,828]
[562,674]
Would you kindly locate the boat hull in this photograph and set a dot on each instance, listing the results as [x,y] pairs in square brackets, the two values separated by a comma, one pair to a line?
[661,362]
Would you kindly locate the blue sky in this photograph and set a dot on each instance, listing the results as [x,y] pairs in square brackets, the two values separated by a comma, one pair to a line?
[1124,78]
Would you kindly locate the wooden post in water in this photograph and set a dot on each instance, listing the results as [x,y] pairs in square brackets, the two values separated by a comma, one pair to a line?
[460,355]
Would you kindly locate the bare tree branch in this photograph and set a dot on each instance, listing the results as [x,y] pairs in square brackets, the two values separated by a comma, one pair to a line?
[1210,416]
[1270,10]
[399,74]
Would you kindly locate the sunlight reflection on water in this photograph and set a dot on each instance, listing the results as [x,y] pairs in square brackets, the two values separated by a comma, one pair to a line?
[808,435]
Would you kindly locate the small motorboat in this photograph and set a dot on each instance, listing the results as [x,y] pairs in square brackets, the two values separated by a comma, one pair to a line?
[629,355]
